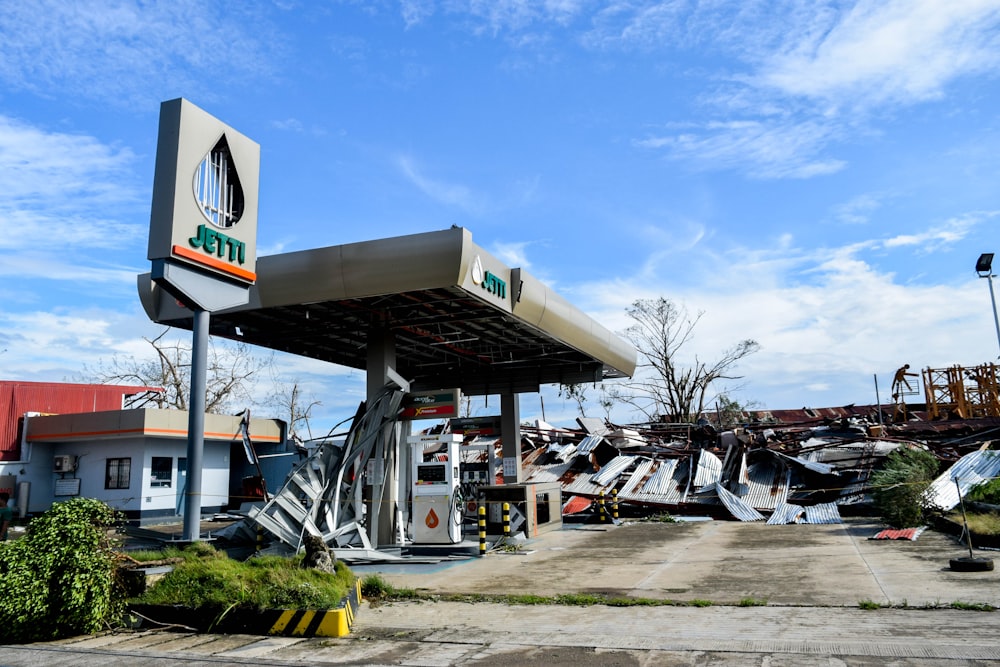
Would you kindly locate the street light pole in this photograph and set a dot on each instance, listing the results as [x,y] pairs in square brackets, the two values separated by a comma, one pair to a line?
[984,267]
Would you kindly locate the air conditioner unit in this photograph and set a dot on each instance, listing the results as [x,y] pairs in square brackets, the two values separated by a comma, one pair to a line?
[64,463]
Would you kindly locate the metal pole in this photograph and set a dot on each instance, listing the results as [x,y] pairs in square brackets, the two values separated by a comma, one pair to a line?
[878,399]
[993,299]
[196,425]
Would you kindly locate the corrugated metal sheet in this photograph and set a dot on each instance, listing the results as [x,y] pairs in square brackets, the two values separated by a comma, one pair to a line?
[666,486]
[737,507]
[902,534]
[583,485]
[815,466]
[636,477]
[767,485]
[823,513]
[612,470]
[588,444]
[537,474]
[709,469]
[970,470]
[17,398]
[786,513]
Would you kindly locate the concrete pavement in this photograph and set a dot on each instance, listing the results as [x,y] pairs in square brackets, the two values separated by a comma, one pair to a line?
[813,579]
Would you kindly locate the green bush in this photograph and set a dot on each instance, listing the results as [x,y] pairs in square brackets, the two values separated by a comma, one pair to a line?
[59,580]
[986,492]
[898,488]
[215,583]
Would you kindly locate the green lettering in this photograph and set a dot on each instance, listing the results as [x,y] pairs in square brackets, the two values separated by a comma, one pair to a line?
[198,240]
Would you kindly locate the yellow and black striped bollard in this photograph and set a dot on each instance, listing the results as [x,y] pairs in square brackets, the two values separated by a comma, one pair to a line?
[506,520]
[614,505]
[482,530]
[600,507]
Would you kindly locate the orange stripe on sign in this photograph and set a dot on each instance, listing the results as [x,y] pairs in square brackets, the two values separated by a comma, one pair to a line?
[150,431]
[213,263]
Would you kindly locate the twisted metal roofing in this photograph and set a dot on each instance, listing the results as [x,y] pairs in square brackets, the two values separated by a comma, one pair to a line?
[970,470]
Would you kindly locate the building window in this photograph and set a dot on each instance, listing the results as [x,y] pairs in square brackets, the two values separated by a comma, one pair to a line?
[118,473]
[161,471]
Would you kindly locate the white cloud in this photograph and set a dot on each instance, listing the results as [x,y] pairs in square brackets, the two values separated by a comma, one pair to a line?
[450,194]
[901,51]
[761,149]
[951,231]
[62,195]
[111,51]
[827,319]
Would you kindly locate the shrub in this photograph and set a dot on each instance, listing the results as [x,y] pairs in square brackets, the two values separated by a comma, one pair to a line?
[898,488]
[986,492]
[214,582]
[58,580]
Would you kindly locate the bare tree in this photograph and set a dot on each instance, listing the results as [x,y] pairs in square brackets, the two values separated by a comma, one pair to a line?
[296,409]
[231,373]
[577,393]
[664,387]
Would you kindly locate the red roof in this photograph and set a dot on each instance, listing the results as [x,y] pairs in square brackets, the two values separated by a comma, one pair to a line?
[17,398]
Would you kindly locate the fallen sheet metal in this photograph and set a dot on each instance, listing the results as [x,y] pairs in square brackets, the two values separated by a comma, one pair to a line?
[709,469]
[823,513]
[767,485]
[971,470]
[786,513]
[737,507]
[899,534]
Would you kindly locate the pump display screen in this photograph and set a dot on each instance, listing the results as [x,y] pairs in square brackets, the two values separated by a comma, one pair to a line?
[432,473]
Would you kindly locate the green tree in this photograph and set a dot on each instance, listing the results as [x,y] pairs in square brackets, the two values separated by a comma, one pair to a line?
[898,488]
[58,580]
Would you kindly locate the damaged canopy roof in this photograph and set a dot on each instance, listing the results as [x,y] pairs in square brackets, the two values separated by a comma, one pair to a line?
[459,316]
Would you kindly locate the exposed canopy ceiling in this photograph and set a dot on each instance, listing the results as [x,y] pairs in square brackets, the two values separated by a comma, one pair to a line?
[458,317]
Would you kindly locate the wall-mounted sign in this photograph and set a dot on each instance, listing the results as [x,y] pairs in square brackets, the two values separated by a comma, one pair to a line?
[441,404]
[204,210]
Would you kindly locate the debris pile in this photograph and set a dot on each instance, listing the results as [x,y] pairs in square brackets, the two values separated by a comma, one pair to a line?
[792,466]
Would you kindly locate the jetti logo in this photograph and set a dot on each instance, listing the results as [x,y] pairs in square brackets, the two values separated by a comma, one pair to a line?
[219,196]
[488,281]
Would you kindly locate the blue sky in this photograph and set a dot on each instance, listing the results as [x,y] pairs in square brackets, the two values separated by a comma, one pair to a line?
[818,176]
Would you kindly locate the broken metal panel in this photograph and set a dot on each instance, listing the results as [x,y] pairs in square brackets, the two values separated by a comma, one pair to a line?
[666,486]
[537,474]
[767,485]
[786,513]
[709,469]
[970,470]
[737,507]
[823,513]
[636,477]
[815,466]
[319,498]
[583,485]
[613,469]
[589,444]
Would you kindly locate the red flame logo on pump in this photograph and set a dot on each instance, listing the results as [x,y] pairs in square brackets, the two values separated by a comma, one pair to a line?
[432,520]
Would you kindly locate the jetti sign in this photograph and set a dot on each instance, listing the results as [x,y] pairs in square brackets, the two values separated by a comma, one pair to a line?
[204,210]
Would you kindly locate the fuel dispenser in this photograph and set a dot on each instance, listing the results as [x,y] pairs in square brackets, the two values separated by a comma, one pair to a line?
[436,497]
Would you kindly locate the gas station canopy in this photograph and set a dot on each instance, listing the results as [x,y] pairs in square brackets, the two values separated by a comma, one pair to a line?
[456,315]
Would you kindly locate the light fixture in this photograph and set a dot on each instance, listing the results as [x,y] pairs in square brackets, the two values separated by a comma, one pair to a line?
[984,268]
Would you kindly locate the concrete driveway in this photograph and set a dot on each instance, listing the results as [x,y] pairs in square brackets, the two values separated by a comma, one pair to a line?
[813,578]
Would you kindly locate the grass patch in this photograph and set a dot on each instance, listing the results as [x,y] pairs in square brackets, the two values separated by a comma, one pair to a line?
[209,579]
[699,603]
[662,517]
[376,589]
[869,604]
[972,606]
[981,523]
[751,602]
